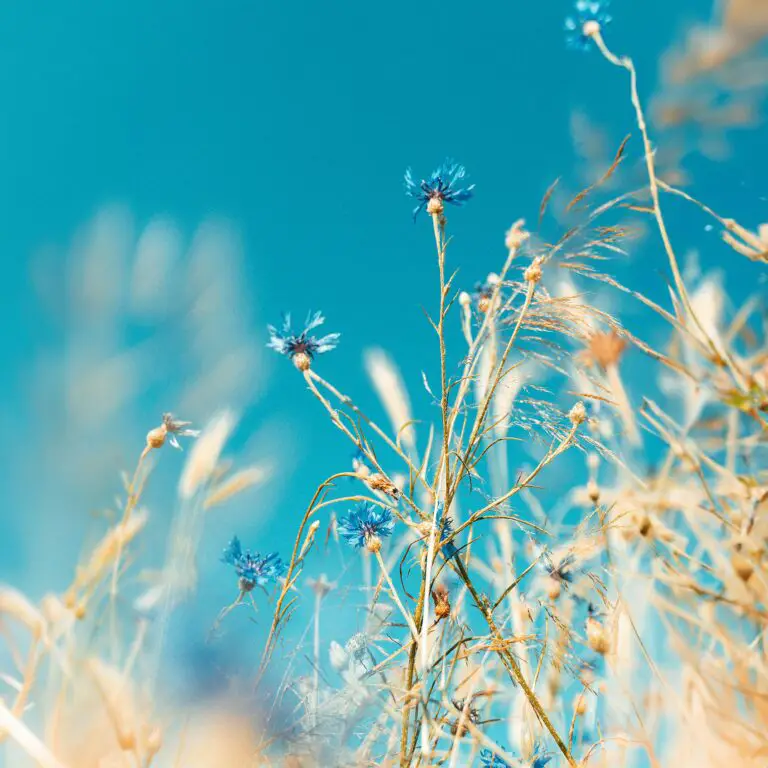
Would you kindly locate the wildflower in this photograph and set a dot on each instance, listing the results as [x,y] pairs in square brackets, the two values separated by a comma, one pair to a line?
[357,647]
[533,272]
[365,525]
[560,574]
[743,566]
[597,635]
[301,348]
[578,414]
[441,187]
[171,429]
[590,17]
[321,586]
[446,531]
[483,293]
[516,235]
[490,759]
[604,349]
[442,603]
[468,714]
[252,569]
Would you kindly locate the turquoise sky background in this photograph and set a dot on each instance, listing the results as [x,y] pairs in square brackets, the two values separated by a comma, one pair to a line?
[294,123]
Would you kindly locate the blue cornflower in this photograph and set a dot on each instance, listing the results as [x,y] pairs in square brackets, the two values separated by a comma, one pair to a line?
[539,758]
[490,759]
[446,529]
[441,187]
[365,525]
[252,569]
[589,14]
[301,348]
[560,571]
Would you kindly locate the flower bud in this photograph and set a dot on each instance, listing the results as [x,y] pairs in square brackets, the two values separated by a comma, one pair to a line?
[302,361]
[597,636]
[435,206]
[591,28]
[578,414]
[156,438]
[516,235]
[533,273]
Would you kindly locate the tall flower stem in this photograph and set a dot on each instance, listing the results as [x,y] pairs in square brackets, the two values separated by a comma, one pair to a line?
[281,609]
[509,661]
[626,63]
[385,573]
[417,618]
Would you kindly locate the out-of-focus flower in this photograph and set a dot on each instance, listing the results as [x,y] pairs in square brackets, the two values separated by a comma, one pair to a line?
[301,348]
[469,715]
[441,187]
[604,348]
[539,758]
[446,530]
[490,759]
[252,569]
[597,635]
[515,236]
[483,293]
[171,429]
[590,17]
[441,599]
[578,414]
[365,525]
[357,646]
[378,482]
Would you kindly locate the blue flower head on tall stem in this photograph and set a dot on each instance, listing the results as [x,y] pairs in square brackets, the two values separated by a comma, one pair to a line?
[589,18]
[441,187]
[365,525]
[301,348]
[252,569]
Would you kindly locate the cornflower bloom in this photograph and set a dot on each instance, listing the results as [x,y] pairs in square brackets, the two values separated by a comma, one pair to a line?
[170,429]
[441,187]
[252,569]
[301,348]
[446,530]
[365,525]
[590,17]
